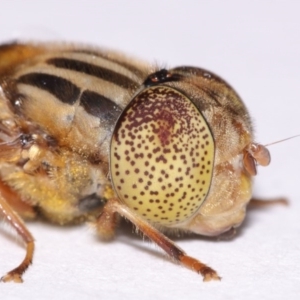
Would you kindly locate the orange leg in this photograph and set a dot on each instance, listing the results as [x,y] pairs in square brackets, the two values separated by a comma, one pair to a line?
[16,222]
[162,241]
[20,207]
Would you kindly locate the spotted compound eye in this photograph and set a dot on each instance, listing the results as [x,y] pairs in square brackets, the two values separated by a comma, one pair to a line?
[162,155]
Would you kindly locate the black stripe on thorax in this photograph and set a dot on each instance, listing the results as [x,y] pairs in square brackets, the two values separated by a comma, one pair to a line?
[100,106]
[135,70]
[62,89]
[93,70]
[94,104]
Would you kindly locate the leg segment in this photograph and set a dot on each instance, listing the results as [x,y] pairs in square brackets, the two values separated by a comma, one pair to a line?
[255,202]
[23,209]
[106,223]
[16,222]
[162,241]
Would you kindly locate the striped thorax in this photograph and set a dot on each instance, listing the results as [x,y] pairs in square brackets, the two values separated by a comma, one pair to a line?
[86,135]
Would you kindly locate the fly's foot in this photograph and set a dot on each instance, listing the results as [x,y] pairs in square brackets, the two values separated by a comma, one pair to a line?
[12,276]
[209,274]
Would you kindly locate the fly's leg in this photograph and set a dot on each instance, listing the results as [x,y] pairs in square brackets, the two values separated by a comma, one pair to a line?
[255,202]
[106,223]
[22,208]
[16,222]
[114,206]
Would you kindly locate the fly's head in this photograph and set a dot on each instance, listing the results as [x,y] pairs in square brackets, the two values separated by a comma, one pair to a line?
[182,153]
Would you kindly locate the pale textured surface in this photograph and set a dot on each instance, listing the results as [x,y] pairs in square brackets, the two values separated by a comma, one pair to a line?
[255,45]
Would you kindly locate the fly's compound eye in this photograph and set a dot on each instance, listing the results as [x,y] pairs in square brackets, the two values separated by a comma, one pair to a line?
[255,154]
[162,156]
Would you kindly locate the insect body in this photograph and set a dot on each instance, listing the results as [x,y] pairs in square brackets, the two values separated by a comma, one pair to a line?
[88,135]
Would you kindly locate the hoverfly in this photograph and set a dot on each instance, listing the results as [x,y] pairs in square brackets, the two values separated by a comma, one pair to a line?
[92,135]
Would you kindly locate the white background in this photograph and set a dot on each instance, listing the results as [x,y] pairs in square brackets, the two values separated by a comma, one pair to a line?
[255,45]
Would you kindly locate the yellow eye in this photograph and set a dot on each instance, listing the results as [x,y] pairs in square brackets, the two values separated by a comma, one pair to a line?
[162,156]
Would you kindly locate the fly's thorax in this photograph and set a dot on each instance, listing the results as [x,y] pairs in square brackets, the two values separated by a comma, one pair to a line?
[162,156]
[73,94]
[14,55]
